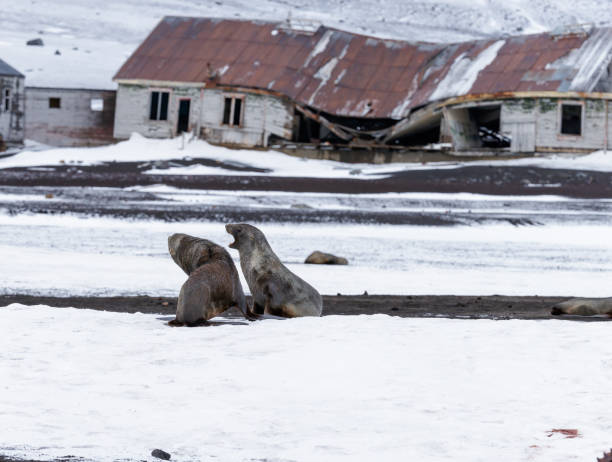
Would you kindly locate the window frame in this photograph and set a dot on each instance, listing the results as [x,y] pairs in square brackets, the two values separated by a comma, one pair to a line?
[233,97]
[160,92]
[563,103]
[93,104]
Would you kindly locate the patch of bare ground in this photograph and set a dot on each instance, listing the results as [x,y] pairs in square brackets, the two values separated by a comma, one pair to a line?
[495,180]
[498,307]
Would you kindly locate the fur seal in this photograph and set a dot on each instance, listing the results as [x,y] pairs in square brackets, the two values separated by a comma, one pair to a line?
[322,258]
[213,285]
[584,307]
[276,290]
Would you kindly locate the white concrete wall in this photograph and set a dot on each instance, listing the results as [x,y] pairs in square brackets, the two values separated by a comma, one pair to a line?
[133,109]
[12,123]
[74,123]
[540,119]
[518,121]
[549,125]
[262,115]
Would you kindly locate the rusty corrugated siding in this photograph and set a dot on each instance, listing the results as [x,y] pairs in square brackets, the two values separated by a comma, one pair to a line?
[353,75]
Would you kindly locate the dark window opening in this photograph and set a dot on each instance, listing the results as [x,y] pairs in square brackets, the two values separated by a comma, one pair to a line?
[232,111]
[227,110]
[423,137]
[159,105]
[163,108]
[7,99]
[55,103]
[183,116]
[154,105]
[306,130]
[487,119]
[571,119]
[237,111]
[360,123]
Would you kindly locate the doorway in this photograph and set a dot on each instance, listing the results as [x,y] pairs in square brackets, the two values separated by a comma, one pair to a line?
[183,116]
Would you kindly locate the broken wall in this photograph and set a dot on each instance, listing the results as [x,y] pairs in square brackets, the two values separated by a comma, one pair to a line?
[463,130]
[263,115]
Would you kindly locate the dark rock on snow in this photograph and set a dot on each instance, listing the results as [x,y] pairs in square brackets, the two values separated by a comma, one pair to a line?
[37,42]
[160,454]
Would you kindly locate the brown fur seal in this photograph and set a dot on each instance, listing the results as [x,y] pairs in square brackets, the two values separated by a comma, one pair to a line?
[584,307]
[276,290]
[213,285]
[322,258]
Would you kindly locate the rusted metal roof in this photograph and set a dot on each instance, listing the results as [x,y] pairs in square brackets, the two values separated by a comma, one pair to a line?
[348,74]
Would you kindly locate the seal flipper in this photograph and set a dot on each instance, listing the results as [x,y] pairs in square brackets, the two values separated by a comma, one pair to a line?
[251,315]
[268,305]
[271,310]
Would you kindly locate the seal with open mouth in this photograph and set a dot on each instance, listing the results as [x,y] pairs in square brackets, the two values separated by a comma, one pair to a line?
[213,285]
[275,289]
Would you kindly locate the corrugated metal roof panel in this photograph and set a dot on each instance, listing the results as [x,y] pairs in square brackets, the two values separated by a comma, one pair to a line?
[349,74]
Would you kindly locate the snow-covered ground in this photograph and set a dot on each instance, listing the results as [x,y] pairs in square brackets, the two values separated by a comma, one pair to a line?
[94,38]
[108,386]
[64,255]
[542,209]
[141,149]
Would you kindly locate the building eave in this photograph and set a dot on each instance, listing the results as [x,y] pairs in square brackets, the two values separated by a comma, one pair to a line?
[159,83]
[523,94]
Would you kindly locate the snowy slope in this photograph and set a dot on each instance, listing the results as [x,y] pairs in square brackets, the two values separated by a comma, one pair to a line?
[94,38]
[109,386]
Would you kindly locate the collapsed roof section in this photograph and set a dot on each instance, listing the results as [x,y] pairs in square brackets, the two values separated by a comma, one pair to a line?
[331,70]
[349,75]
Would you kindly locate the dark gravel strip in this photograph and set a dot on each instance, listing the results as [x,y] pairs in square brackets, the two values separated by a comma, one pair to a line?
[498,180]
[417,306]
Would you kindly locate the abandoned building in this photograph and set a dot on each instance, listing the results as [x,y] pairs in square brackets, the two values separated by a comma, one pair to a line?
[11,106]
[252,83]
[70,116]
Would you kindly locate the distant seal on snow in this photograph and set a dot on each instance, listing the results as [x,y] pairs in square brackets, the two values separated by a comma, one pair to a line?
[584,307]
[276,290]
[213,285]
[322,258]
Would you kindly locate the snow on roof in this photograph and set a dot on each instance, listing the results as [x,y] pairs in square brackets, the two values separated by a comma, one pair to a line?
[464,72]
[592,59]
[339,72]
